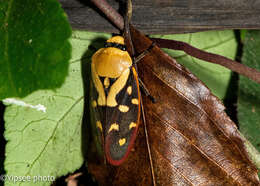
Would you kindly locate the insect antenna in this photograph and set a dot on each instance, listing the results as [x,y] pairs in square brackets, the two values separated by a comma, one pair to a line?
[130,49]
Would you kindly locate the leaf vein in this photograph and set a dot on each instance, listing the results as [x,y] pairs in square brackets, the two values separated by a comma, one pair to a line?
[53,133]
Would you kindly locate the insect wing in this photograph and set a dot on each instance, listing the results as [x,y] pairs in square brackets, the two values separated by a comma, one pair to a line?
[97,114]
[123,121]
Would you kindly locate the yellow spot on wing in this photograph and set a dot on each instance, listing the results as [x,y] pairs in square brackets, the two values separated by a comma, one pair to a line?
[122,141]
[135,101]
[94,103]
[132,124]
[114,126]
[99,125]
[106,82]
[129,90]
[123,108]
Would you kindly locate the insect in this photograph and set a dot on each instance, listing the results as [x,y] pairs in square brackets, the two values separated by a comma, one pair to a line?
[115,99]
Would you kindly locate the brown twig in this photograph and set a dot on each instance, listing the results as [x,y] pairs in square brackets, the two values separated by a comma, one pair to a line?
[116,18]
[210,57]
[110,12]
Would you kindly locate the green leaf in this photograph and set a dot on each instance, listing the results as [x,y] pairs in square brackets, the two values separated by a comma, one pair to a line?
[214,76]
[249,91]
[34,50]
[243,34]
[49,144]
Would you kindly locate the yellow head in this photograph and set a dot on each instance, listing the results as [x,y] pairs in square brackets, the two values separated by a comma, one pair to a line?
[111,62]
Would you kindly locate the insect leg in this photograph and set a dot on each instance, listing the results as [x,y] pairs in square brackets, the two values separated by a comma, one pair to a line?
[144,53]
[146,91]
[148,144]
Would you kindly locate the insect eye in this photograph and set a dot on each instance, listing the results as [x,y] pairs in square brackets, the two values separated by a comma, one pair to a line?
[115,45]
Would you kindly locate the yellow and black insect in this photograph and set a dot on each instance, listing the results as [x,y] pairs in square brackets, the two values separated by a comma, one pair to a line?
[115,99]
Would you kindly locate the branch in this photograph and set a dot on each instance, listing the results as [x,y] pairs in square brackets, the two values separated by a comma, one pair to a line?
[209,57]
[110,12]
